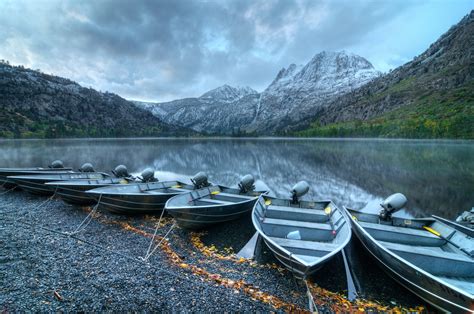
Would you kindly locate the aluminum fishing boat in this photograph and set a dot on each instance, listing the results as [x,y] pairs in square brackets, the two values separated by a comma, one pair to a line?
[74,191]
[213,204]
[35,184]
[303,235]
[56,167]
[431,258]
[143,198]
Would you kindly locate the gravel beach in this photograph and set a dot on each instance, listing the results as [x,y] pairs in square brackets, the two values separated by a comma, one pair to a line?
[42,268]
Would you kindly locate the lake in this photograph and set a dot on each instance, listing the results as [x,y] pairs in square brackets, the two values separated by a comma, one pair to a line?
[436,176]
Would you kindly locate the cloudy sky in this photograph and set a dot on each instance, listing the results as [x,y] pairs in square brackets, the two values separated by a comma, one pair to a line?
[163,50]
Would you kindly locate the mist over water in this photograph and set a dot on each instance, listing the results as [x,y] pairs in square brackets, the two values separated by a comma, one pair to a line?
[436,176]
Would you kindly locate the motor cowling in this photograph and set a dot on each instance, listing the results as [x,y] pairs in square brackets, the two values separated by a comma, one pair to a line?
[200,180]
[246,183]
[87,167]
[121,171]
[56,164]
[298,190]
[466,217]
[392,204]
[148,175]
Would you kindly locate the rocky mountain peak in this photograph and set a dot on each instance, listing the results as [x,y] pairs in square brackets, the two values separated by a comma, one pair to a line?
[227,93]
[287,73]
[328,63]
[325,71]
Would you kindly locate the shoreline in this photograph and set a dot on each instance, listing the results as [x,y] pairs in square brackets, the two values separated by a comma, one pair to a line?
[47,270]
[257,138]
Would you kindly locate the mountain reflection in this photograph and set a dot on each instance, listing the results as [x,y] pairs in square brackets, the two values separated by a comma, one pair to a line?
[436,177]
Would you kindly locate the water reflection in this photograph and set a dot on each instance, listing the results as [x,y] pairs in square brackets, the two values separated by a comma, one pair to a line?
[437,177]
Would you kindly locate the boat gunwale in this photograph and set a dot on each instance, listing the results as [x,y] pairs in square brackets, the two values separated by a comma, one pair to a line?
[33,169]
[80,182]
[40,177]
[304,263]
[397,257]
[144,192]
[174,208]
[453,224]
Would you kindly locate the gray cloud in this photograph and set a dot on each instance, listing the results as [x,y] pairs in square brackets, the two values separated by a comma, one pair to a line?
[162,50]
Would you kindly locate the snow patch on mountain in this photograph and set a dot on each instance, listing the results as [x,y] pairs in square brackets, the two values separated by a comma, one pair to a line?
[296,93]
[227,94]
[299,92]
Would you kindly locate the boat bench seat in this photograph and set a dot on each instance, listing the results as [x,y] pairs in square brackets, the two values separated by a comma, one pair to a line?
[311,231]
[160,191]
[433,259]
[308,245]
[295,223]
[296,213]
[402,235]
[164,191]
[211,200]
[176,189]
[247,197]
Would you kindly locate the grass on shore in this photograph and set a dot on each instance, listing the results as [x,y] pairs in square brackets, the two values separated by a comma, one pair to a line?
[440,114]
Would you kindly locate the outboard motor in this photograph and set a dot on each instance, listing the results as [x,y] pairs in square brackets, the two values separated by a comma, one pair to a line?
[121,172]
[298,190]
[87,167]
[148,175]
[392,204]
[466,217]
[200,180]
[246,184]
[56,164]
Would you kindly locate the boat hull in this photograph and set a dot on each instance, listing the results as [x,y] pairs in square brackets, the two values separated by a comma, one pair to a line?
[36,187]
[9,184]
[200,218]
[36,184]
[299,270]
[77,195]
[430,290]
[131,204]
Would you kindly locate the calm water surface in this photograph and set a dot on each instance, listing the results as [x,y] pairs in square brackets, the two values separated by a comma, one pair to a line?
[436,176]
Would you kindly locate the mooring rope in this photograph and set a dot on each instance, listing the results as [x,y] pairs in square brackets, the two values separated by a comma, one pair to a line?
[312,305]
[159,243]
[154,235]
[45,202]
[9,190]
[83,225]
[107,249]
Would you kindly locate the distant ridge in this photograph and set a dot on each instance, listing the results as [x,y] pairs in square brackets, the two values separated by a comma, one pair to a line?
[218,111]
[293,95]
[35,104]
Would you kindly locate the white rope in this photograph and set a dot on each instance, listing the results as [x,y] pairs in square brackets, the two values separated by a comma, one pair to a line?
[45,202]
[5,192]
[159,243]
[312,305]
[83,225]
[154,235]
[102,249]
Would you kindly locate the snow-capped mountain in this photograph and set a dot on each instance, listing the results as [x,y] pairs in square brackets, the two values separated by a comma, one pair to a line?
[227,94]
[296,93]
[301,91]
[216,111]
